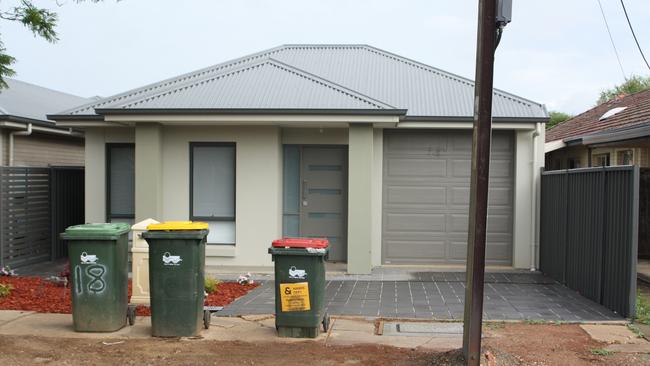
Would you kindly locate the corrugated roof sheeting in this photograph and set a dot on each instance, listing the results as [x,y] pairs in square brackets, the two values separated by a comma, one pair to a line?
[368,71]
[268,84]
[27,100]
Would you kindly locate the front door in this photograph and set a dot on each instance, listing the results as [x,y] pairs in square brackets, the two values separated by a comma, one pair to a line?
[323,197]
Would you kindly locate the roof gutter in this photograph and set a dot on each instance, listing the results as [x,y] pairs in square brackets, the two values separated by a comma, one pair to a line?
[471,119]
[249,111]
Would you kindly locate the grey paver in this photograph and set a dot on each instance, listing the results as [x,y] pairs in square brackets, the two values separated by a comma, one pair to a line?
[509,296]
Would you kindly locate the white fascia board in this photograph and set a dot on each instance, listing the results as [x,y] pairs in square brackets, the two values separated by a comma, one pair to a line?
[553,145]
[264,119]
[82,124]
[467,125]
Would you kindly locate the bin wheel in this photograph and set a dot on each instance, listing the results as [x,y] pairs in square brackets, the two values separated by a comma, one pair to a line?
[206,318]
[130,314]
[326,323]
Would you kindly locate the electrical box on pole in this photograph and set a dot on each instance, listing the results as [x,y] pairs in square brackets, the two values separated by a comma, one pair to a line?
[504,12]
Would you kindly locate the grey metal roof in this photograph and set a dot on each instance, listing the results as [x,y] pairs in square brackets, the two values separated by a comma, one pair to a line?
[25,100]
[264,84]
[317,77]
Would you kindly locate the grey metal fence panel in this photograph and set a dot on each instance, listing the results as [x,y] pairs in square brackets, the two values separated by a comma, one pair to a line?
[589,230]
[553,223]
[24,215]
[644,213]
[67,205]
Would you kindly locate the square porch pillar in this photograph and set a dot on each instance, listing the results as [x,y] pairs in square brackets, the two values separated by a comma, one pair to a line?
[360,173]
[148,171]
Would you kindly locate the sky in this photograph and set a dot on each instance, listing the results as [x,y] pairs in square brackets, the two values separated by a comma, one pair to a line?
[555,52]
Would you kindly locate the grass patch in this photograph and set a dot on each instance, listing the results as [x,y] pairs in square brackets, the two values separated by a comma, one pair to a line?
[536,322]
[211,284]
[642,308]
[636,330]
[5,289]
[494,325]
[601,352]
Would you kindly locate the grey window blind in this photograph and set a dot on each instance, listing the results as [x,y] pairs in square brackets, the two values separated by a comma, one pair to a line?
[213,182]
[121,180]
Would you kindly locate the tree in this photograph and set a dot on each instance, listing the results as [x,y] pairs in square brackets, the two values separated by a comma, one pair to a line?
[557,118]
[632,85]
[42,22]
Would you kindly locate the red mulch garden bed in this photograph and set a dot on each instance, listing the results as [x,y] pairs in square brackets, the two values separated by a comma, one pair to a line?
[39,295]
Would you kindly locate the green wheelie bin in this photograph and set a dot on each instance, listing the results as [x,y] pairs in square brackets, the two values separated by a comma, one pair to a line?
[176,278]
[99,269]
[300,286]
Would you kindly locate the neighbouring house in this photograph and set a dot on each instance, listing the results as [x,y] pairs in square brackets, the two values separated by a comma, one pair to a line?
[27,137]
[349,142]
[41,182]
[613,133]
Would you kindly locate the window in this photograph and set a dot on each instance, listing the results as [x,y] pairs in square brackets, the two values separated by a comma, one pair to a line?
[291,189]
[120,182]
[625,157]
[212,189]
[574,163]
[601,160]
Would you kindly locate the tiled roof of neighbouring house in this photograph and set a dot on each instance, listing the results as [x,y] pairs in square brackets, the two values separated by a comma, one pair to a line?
[318,77]
[31,101]
[632,110]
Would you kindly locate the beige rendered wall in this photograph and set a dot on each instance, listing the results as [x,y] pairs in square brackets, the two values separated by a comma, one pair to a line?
[315,136]
[148,171]
[95,171]
[360,197]
[258,197]
[529,159]
[376,188]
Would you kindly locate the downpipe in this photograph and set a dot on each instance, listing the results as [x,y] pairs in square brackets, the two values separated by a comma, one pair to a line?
[27,132]
[534,201]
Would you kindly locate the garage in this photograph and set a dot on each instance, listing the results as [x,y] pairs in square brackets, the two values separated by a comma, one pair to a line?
[426,178]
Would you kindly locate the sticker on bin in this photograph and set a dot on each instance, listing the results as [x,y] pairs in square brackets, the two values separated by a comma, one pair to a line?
[171,260]
[295,296]
[298,274]
[88,258]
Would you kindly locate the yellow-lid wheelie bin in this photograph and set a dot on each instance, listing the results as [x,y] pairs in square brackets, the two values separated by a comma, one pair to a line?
[176,278]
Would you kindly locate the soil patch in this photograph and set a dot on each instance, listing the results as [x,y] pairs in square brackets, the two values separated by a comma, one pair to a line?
[33,350]
[42,296]
[548,344]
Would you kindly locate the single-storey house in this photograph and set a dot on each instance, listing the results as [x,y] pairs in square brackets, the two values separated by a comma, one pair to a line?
[349,142]
[27,137]
[616,132]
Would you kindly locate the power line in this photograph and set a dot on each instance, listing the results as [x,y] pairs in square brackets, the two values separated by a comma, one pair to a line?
[620,64]
[634,35]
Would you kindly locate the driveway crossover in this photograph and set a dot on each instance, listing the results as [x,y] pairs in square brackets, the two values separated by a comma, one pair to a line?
[439,295]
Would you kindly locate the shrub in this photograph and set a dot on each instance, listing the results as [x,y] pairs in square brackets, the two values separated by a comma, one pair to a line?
[5,289]
[211,284]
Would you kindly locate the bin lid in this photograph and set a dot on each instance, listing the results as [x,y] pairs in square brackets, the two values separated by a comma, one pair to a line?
[109,231]
[301,243]
[178,225]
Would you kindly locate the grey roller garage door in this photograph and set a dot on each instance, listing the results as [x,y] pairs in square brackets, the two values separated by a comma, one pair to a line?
[426,197]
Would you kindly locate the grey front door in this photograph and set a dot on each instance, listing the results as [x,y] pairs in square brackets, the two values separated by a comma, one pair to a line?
[323,197]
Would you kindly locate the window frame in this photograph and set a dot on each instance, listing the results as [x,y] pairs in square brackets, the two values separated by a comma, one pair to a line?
[108,148]
[234,178]
[597,158]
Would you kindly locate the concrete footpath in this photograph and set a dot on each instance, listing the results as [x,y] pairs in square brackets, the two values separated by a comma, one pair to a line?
[254,328]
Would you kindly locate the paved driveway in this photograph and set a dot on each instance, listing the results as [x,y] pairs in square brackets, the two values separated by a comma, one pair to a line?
[439,295]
